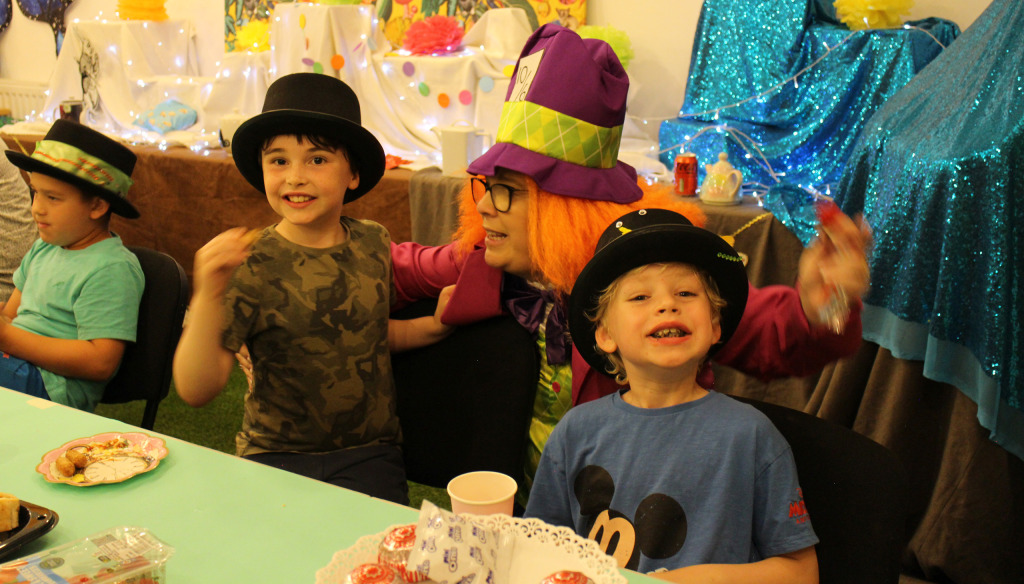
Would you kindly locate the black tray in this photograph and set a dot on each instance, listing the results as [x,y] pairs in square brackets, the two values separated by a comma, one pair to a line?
[33,521]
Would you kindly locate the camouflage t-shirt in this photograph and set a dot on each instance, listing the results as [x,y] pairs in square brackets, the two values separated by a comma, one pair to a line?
[316,324]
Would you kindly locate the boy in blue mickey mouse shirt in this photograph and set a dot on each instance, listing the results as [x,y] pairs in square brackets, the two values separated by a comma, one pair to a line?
[666,476]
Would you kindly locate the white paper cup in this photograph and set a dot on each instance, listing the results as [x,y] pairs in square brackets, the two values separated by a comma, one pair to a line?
[482,493]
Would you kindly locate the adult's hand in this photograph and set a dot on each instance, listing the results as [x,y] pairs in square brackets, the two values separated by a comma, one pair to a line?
[834,269]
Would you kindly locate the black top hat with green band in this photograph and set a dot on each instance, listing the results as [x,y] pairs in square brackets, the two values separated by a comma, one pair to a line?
[654,236]
[87,159]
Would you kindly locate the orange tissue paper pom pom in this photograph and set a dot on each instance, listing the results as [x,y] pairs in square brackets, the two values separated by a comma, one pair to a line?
[436,35]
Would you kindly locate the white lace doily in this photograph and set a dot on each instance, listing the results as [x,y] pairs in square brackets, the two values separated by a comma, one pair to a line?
[540,551]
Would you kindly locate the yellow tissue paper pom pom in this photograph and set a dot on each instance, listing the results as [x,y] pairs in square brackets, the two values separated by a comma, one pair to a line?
[253,37]
[618,40]
[861,14]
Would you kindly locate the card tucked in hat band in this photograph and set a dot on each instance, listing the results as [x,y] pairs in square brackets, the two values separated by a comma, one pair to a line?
[82,165]
[545,131]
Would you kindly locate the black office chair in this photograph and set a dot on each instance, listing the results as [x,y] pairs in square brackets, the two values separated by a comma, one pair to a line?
[856,495]
[145,372]
[465,403]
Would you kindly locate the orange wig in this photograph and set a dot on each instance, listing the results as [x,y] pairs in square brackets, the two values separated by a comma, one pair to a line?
[564,231]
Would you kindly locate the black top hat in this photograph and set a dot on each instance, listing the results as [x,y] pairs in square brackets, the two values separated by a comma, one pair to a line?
[87,159]
[651,236]
[310,104]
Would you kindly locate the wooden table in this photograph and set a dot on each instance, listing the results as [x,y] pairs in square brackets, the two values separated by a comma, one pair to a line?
[186,198]
[229,519]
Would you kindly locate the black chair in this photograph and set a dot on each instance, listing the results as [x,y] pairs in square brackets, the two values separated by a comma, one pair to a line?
[145,372]
[856,495]
[465,403]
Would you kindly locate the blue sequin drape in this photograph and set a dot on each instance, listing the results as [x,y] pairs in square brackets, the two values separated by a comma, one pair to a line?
[939,174]
[806,129]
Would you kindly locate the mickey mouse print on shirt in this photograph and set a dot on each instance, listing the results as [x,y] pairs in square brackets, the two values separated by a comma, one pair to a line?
[657,529]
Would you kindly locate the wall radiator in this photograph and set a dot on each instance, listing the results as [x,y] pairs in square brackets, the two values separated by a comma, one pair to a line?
[23,98]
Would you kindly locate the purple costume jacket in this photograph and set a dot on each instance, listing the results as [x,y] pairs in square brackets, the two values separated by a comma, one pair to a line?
[773,339]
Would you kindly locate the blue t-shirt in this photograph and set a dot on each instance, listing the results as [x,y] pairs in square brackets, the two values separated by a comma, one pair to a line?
[707,481]
[84,294]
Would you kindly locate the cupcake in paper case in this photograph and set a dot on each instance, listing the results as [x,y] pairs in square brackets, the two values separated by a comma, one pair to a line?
[394,553]
[373,574]
[567,577]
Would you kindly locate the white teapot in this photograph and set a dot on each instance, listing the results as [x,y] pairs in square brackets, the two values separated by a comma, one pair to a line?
[722,182]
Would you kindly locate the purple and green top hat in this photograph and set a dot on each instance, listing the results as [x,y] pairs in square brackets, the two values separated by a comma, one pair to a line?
[85,158]
[562,120]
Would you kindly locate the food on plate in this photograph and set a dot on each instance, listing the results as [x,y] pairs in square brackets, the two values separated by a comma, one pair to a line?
[394,552]
[65,466]
[373,574]
[109,460]
[567,577]
[77,457]
[9,506]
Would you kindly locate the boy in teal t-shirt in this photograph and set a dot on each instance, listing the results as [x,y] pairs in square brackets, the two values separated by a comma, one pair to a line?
[77,291]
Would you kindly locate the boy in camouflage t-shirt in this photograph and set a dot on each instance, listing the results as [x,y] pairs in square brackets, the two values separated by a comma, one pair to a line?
[308,297]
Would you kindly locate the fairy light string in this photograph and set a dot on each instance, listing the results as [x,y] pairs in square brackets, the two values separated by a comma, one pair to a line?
[751,147]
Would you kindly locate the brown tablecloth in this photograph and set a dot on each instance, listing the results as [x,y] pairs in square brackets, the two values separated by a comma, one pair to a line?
[434,206]
[186,198]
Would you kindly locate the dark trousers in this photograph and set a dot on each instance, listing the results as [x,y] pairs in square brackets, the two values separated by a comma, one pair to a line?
[378,470]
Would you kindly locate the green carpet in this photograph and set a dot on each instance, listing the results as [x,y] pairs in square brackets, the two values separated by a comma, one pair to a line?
[215,425]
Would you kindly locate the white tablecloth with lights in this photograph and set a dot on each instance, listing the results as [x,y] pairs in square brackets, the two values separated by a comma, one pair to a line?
[124,68]
[403,96]
[120,69]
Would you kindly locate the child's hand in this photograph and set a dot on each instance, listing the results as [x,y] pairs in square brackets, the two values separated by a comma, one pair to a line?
[834,268]
[245,364]
[218,259]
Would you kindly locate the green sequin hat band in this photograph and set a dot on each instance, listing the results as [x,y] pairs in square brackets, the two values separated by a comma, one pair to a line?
[561,124]
[84,158]
[83,165]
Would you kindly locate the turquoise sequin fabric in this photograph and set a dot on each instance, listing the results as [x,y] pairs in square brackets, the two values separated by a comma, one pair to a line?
[806,129]
[938,173]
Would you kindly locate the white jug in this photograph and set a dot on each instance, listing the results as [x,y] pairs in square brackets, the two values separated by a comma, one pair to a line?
[228,125]
[460,145]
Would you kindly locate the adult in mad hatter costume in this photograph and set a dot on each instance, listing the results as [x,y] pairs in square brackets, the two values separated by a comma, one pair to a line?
[550,186]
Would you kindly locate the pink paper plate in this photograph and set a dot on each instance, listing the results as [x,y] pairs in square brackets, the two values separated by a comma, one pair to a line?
[143,454]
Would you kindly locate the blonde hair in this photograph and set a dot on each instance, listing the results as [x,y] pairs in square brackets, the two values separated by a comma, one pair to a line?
[564,231]
[615,366]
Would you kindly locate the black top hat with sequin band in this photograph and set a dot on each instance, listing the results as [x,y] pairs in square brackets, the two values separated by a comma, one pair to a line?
[310,104]
[652,236]
[85,158]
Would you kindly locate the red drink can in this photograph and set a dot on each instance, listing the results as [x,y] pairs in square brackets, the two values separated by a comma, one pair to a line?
[686,174]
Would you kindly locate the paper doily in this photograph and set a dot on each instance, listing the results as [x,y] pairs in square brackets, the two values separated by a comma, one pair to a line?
[540,551]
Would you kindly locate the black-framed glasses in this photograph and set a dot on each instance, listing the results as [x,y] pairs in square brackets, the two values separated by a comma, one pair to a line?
[501,194]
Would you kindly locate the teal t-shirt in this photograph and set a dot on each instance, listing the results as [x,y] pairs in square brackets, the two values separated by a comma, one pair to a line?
[83,294]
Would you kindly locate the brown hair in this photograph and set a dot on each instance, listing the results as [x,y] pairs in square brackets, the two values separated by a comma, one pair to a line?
[325,142]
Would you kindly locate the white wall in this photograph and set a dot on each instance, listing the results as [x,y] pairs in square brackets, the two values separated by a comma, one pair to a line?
[661,32]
